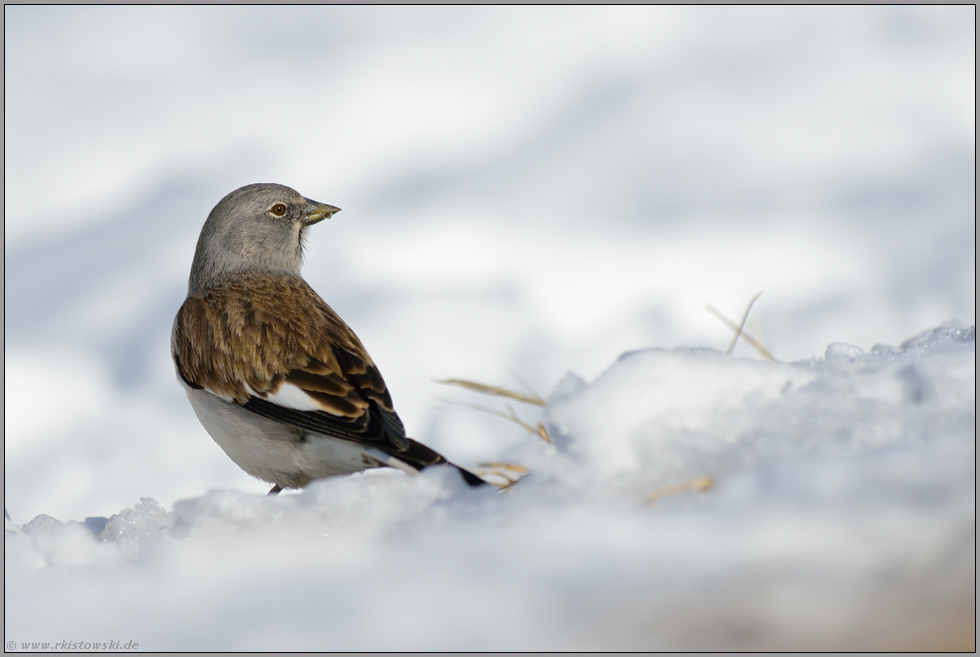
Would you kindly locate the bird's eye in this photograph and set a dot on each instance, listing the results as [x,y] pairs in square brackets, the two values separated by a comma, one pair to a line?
[278,209]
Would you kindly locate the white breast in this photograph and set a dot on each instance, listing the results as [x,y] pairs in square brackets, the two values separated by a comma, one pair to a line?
[279,453]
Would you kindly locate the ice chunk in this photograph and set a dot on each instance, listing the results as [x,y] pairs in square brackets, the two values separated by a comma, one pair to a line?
[139,530]
[840,351]
[656,395]
[48,542]
[41,523]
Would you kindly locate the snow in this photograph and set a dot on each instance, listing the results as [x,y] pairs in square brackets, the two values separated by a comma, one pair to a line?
[541,194]
[842,515]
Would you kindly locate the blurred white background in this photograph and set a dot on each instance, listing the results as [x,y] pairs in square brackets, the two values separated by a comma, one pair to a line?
[524,190]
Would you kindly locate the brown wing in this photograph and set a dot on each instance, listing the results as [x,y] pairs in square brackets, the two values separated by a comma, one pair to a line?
[257,332]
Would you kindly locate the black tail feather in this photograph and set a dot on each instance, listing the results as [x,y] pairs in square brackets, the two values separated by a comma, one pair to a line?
[469,477]
[420,457]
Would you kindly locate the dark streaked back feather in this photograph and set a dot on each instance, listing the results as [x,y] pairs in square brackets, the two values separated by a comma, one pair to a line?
[263,329]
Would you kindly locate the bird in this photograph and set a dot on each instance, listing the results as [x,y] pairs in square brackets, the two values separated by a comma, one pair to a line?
[280,382]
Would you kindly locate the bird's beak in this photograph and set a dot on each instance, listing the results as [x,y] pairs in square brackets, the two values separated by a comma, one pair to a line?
[316,212]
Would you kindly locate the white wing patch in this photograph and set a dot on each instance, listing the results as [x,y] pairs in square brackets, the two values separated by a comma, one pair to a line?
[289,396]
[391,461]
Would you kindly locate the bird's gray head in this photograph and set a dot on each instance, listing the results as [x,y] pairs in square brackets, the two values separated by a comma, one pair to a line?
[258,227]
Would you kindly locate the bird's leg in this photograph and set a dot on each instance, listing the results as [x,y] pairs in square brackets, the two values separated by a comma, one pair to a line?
[275,490]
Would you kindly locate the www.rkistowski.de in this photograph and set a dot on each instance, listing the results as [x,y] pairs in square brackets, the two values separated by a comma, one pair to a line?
[74,645]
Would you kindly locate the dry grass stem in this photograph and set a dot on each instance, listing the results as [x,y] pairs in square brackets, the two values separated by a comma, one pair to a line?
[741,326]
[502,475]
[701,483]
[538,430]
[738,330]
[493,390]
[527,387]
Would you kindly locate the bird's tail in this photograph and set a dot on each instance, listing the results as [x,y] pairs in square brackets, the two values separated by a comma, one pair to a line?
[420,457]
[469,477]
